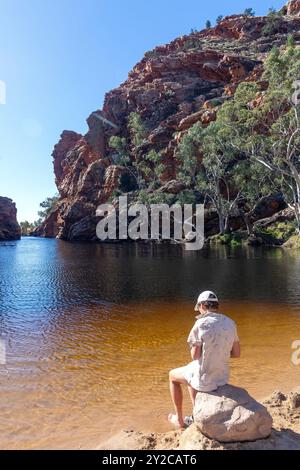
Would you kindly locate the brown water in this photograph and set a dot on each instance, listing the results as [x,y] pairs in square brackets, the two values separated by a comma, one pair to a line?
[91,332]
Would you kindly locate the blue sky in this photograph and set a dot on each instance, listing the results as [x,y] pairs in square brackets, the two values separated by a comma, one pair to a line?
[58,58]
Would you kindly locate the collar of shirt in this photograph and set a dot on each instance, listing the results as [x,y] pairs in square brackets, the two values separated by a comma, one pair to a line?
[205,315]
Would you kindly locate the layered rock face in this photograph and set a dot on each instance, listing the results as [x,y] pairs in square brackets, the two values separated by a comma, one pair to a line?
[9,227]
[171,88]
[293,8]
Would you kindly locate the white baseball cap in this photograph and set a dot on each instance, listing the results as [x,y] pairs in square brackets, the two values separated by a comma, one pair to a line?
[206,296]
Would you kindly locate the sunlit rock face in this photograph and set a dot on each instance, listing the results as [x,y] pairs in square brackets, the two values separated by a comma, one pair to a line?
[293,8]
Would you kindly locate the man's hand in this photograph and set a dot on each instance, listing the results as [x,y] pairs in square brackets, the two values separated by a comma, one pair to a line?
[236,350]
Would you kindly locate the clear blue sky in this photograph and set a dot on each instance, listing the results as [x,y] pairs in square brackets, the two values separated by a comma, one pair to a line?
[58,58]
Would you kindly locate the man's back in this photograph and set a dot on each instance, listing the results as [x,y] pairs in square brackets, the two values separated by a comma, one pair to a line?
[216,334]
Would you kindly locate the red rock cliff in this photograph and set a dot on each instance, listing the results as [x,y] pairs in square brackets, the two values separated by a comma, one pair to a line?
[171,88]
[9,227]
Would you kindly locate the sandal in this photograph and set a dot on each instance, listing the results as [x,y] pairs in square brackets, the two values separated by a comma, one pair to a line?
[188,420]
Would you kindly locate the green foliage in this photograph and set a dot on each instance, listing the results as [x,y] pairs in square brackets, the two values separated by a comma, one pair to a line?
[280,231]
[219,19]
[208,24]
[137,129]
[187,150]
[147,197]
[114,195]
[272,11]
[26,227]
[122,156]
[273,23]
[48,205]
[169,93]
[142,168]
[191,44]
[293,243]
[249,12]
[233,239]
[227,177]
[187,196]
[152,54]
[150,168]
[291,41]
[216,102]
[268,135]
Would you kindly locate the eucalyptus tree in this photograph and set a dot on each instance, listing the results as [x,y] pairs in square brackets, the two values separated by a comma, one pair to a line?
[274,126]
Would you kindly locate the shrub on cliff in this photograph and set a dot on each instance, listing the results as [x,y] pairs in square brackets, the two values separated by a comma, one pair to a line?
[48,205]
[143,168]
[273,23]
[249,12]
[136,128]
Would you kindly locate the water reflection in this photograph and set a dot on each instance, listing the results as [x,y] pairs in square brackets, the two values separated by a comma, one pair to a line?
[87,326]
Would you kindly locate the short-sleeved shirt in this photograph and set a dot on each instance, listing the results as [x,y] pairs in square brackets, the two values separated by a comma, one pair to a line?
[215,333]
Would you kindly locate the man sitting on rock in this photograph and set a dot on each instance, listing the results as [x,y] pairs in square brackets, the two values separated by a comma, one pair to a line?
[213,340]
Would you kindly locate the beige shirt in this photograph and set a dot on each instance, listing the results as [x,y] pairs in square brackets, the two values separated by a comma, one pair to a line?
[215,334]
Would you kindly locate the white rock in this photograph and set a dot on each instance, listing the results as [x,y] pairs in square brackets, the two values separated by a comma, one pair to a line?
[230,414]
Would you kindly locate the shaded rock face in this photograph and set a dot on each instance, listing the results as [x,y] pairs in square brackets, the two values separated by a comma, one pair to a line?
[172,87]
[9,227]
[49,229]
[230,414]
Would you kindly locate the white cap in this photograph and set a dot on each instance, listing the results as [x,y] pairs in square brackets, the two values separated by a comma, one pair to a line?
[206,296]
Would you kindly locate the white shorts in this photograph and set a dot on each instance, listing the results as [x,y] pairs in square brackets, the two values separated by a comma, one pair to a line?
[191,373]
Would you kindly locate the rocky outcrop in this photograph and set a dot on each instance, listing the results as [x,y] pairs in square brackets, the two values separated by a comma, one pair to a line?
[230,414]
[9,227]
[293,8]
[171,88]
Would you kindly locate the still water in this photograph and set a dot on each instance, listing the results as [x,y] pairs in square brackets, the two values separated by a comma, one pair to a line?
[92,330]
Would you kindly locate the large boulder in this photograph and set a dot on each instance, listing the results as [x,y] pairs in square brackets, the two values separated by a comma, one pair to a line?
[9,227]
[230,414]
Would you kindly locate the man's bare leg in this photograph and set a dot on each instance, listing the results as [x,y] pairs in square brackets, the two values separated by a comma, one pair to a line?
[193,394]
[176,379]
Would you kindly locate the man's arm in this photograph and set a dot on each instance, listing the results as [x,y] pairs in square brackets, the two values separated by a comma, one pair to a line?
[196,352]
[236,350]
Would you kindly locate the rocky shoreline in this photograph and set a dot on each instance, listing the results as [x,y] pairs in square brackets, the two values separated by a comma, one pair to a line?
[285,435]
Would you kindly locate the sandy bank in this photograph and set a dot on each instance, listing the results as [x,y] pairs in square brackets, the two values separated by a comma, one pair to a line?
[284,408]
